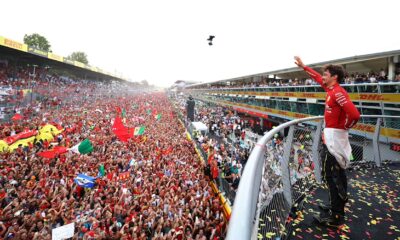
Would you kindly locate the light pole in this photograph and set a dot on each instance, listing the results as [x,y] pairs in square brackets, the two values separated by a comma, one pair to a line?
[30,80]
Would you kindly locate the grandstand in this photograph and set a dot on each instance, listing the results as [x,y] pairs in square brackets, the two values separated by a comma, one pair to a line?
[85,154]
[284,176]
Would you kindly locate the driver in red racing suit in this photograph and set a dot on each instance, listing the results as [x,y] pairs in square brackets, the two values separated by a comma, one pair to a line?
[340,115]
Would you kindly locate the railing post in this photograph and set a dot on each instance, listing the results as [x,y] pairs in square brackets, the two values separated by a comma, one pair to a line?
[375,142]
[287,186]
[315,152]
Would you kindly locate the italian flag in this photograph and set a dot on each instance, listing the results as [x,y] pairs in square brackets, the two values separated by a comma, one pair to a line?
[84,147]
[139,131]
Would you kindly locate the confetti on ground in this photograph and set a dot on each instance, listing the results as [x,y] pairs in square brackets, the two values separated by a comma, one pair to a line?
[372,212]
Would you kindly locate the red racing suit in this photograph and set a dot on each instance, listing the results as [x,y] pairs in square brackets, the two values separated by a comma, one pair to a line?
[340,111]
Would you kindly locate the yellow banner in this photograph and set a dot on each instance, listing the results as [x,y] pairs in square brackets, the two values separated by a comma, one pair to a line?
[37,52]
[369,97]
[386,132]
[55,57]
[79,64]
[13,44]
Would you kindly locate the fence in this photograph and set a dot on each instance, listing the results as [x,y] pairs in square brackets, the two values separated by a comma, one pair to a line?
[285,165]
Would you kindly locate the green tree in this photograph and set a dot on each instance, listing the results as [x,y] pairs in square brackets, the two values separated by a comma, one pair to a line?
[37,41]
[79,56]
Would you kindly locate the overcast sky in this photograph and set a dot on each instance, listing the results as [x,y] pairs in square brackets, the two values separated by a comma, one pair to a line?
[164,41]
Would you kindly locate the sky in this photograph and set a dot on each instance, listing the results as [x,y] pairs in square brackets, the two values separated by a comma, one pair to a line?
[162,41]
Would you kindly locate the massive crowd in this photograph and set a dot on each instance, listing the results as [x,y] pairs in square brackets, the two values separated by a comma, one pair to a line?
[165,196]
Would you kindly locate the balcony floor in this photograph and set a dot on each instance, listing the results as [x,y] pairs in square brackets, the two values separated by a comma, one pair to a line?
[373,210]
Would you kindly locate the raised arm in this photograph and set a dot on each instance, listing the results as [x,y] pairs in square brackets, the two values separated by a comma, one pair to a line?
[313,74]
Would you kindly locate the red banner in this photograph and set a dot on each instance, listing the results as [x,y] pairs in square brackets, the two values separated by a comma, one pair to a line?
[21,135]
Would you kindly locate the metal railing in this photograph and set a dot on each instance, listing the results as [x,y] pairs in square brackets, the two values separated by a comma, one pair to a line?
[285,165]
[380,87]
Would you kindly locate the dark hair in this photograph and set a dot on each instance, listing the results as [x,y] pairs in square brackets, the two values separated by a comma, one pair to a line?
[336,70]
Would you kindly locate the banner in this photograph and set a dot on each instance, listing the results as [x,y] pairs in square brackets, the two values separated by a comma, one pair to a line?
[21,135]
[94,69]
[368,97]
[79,64]
[55,57]
[63,232]
[68,61]
[13,44]
[385,132]
[37,52]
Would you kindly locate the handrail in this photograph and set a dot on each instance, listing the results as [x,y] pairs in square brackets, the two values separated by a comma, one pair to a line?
[243,213]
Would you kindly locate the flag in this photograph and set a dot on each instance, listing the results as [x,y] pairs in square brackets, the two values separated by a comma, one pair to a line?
[53,152]
[83,147]
[123,113]
[102,171]
[167,151]
[139,131]
[47,154]
[60,150]
[22,135]
[3,146]
[158,116]
[85,181]
[48,128]
[22,142]
[132,162]
[17,117]
[118,109]
[120,130]
[148,111]
[123,176]
[210,158]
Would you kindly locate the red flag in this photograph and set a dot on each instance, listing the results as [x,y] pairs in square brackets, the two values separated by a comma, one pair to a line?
[167,151]
[214,171]
[60,150]
[21,135]
[121,131]
[17,117]
[53,152]
[211,158]
[47,154]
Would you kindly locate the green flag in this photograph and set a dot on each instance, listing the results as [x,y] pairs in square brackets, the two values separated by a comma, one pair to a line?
[123,113]
[83,147]
[139,131]
[158,116]
[102,171]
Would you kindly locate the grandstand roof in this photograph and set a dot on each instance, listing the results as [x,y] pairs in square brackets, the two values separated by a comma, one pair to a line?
[373,60]
[24,53]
